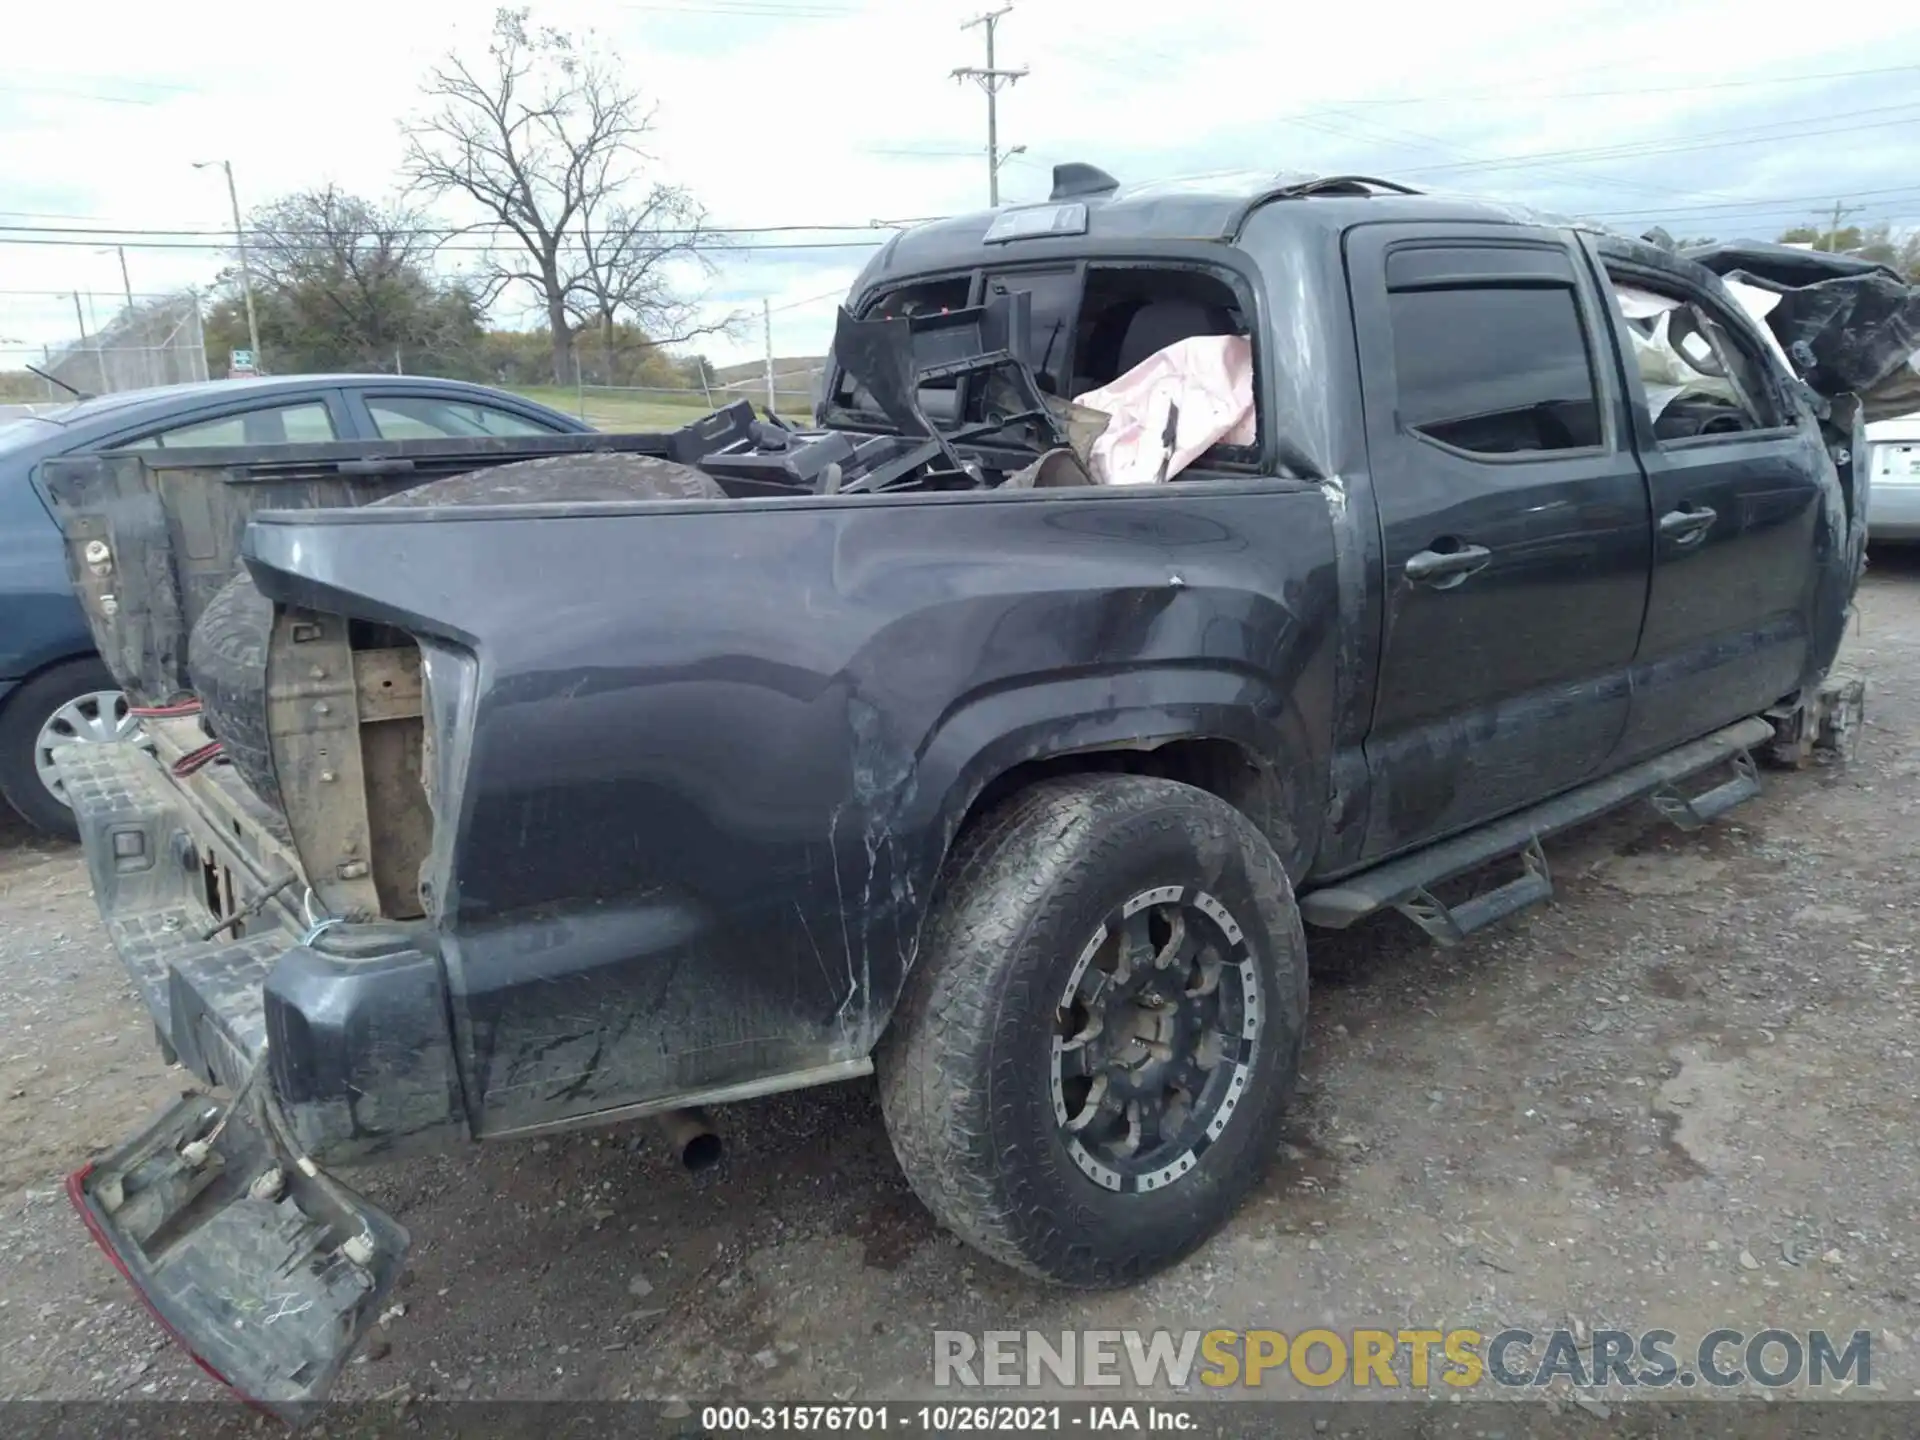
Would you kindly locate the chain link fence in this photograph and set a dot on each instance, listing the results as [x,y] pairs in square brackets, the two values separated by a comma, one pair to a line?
[162,341]
[158,342]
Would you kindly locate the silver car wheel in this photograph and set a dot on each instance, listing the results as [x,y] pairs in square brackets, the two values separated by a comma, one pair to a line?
[98,717]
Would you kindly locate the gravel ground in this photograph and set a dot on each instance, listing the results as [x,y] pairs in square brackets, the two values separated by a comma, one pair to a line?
[1682,1095]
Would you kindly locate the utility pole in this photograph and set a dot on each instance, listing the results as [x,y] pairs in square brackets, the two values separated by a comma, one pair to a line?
[126,282]
[766,323]
[246,273]
[990,79]
[1840,212]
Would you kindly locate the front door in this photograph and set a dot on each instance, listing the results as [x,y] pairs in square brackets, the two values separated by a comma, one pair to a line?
[1735,473]
[1514,524]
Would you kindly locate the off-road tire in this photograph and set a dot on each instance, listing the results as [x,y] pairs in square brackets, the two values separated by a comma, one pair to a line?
[964,1070]
[227,663]
[227,652]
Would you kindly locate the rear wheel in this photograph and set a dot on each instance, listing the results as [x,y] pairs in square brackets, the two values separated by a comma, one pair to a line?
[78,703]
[1090,1062]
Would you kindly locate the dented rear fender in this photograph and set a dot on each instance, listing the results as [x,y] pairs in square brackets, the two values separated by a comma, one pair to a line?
[696,766]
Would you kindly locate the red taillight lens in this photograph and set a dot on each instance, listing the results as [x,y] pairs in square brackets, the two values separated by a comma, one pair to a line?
[77,1196]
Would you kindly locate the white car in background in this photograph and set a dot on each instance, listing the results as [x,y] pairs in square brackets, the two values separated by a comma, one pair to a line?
[1893,504]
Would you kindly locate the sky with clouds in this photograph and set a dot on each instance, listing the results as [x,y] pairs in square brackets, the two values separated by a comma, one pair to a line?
[1708,118]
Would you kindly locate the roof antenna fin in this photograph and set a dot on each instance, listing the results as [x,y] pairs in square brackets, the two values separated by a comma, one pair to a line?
[1074,179]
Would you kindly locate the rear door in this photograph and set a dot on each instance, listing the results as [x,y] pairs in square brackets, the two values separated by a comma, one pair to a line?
[1736,484]
[1514,524]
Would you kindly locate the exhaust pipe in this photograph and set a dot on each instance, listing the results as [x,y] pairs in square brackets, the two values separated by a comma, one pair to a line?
[692,1136]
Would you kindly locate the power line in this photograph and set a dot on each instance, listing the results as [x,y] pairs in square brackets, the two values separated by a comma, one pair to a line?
[62,294]
[839,292]
[1779,202]
[95,79]
[1549,160]
[48,215]
[1527,93]
[193,245]
[1315,118]
[64,94]
[1640,148]
[449,231]
[1380,134]
[757,9]
[1531,97]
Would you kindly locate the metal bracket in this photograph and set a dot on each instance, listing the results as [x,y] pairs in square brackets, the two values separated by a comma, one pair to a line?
[1829,719]
[1448,925]
[1692,813]
[1842,715]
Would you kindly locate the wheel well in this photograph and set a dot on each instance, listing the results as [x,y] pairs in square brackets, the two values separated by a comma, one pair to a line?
[1220,767]
[45,667]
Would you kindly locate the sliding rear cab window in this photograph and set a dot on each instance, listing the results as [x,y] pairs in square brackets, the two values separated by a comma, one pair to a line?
[1088,325]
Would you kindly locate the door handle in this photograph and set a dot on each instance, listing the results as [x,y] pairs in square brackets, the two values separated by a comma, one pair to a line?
[1687,524]
[1444,569]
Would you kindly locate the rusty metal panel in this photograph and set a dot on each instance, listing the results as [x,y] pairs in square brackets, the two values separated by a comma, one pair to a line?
[400,821]
[387,683]
[313,721]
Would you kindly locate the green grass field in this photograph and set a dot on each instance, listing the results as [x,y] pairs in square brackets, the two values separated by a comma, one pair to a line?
[612,410]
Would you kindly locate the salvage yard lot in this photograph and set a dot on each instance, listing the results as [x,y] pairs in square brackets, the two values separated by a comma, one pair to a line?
[1682,1095]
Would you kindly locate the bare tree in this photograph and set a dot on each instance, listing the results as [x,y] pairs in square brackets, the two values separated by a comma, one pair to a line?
[632,264]
[327,232]
[544,136]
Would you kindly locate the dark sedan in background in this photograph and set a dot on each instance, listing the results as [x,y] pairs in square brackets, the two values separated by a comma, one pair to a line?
[53,688]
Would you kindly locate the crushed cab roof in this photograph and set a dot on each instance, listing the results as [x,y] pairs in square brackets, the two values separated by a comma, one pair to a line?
[1209,207]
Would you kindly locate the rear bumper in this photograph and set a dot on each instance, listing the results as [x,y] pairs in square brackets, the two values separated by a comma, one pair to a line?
[335,1047]
[352,1024]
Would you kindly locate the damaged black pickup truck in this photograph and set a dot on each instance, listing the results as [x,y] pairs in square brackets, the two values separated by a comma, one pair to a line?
[1164,568]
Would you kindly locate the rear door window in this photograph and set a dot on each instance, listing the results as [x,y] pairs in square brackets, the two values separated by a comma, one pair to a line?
[1494,369]
[423,417]
[306,422]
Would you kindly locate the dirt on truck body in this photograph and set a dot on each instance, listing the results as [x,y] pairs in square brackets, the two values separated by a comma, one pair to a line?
[1167,570]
